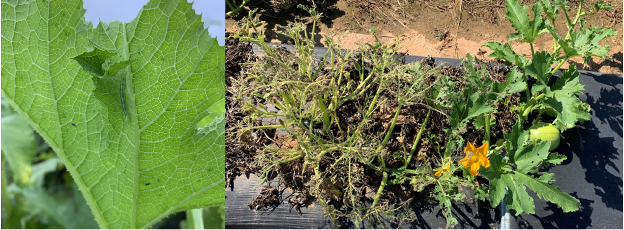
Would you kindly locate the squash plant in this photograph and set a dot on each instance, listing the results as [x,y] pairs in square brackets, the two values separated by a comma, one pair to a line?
[121,104]
[525,149]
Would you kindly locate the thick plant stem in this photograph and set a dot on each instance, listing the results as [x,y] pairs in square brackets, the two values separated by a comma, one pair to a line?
[526,109]
[409,159]
[381,188]
[558,66]
[194,219]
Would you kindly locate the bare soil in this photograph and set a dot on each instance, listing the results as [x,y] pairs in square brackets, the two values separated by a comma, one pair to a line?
[441,28]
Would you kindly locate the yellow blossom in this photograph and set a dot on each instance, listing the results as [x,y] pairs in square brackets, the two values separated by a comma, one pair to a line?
[443,170]
[475,158]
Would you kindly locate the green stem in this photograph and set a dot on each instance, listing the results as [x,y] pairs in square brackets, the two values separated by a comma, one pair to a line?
[558,66]
[263,127]
[487,128]
[372,105]
[538,117]
[409,159]
[389,133]
[194,219]
[526,109]
[381,188]
[318,157]
[532,51]
[291,159]
[234,12]
[528,89]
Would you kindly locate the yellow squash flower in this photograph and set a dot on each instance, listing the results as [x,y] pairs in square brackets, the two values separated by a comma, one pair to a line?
[475,158]
[444,169]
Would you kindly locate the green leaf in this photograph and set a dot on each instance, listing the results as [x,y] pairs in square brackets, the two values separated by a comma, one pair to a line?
[515,139]
[214,217]
[554,158]
[528,31]
[132,171]
[502,52]
[513,84]
[479,122]
[101,62]
[540,66]
[528,157]
[477,105]
[40,169]
[19,144]
[568,83]
[66,209]
[551,9]
[497,185]
[584,42]
[548,192]
[564,102]
[517,198]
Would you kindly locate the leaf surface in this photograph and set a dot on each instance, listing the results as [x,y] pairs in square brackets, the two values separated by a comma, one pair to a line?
[134,170]
[528,30]
[568,107]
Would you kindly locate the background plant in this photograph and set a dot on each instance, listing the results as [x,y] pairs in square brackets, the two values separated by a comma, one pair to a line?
[120,104]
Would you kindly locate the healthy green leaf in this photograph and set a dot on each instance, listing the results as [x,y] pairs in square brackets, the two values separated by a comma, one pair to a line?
[479,122]
[132,171]
[497,185]
[513,84]
[502,52]
[564,102]
[513,141]
[584,42]
[540,66]
[569,83]
[545,191]
[551,9]
[527,30]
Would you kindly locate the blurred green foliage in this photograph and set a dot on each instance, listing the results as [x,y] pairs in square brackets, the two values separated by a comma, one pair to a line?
[37,190]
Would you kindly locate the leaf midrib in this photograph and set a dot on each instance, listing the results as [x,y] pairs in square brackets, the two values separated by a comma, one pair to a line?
[134,123]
